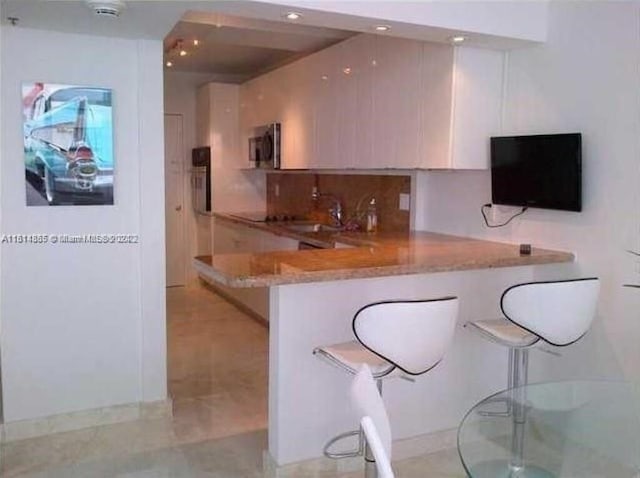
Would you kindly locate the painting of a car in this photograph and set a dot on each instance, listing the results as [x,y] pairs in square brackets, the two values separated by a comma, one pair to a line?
[68,144]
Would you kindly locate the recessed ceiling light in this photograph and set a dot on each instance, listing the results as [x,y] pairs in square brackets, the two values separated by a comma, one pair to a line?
[346,71]
[196,42]
[382,28]
[169,64]
[324,77]
[183,52]
[457,39]
[293,16]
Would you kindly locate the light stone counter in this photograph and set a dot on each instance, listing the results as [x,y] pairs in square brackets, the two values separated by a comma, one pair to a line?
[376,255]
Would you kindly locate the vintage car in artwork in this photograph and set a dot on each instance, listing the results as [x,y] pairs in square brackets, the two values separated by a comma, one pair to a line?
[68,145]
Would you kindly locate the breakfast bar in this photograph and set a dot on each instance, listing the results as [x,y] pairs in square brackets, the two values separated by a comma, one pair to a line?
[313,295]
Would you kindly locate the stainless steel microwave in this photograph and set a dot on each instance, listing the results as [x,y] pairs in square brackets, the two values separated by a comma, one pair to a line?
[265,146]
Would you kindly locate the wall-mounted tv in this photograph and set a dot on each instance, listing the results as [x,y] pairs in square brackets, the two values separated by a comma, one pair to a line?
[541,171]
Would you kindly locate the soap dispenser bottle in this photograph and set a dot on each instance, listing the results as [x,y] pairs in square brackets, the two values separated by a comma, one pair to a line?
[372,216]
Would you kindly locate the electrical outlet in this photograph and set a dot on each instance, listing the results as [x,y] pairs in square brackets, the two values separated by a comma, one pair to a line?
[404,202]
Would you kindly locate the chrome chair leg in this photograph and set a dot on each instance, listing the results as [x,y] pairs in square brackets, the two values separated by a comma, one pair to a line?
[519,404]
[370,470]
[337,455]
[508,401]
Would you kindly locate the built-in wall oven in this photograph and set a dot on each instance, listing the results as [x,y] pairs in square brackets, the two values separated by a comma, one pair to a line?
[265,146]
[201,180]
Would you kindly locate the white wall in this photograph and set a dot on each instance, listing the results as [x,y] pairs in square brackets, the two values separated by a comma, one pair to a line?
[83,326]
[585,79]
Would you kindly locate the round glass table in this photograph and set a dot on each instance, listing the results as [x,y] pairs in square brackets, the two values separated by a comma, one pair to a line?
[562,429]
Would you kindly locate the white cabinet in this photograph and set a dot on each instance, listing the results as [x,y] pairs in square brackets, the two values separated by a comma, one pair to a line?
[396,113]
[202,116]
[231,238]
[273,242]
[326,79]
[477,106]
[435,100]
[364,65]
[377,102]
[297,117]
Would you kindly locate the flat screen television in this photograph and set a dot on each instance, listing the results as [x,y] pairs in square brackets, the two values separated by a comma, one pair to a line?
[541,171]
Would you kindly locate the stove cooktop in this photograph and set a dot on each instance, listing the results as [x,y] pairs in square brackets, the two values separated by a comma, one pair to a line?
[264,217]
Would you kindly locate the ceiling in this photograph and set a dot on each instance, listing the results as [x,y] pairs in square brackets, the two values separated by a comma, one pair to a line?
[148,19]
[254,37]
[230,45]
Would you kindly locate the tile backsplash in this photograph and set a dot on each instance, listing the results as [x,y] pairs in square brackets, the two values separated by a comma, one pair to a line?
[291,194]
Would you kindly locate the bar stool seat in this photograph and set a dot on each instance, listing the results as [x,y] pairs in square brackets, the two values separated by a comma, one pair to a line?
[505,333]
[350,356]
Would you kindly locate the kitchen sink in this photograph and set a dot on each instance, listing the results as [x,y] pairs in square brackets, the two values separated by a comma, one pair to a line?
[311,228]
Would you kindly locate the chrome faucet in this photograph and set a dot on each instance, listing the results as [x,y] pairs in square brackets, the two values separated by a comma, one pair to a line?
[335,211]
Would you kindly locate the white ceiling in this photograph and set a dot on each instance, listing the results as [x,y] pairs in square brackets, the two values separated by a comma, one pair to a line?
[493,24]
[140,19]
[238,46]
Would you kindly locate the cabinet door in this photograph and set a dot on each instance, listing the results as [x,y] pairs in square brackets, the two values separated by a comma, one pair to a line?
[477,111]
[304,114]
[226,238]
[273,242]
[297,116]
[396,105]
[347,98]
[436,98]
[248,117]
[364,65]
[202,116]
[326,80]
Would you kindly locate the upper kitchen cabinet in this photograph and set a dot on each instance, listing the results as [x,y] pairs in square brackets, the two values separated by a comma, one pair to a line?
[377,102]
[397,85]
[340,90]
[298,116]
[334,109]
[478,76]
[203,122]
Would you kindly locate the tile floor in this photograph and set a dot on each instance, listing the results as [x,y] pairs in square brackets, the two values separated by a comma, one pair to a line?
[218,379]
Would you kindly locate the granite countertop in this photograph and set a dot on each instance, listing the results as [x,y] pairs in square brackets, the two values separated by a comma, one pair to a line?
[375,255]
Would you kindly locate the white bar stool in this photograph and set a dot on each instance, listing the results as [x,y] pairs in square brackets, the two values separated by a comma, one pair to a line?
[557,312]
[396,338]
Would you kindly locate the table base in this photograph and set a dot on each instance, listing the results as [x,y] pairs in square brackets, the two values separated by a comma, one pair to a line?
[501,469]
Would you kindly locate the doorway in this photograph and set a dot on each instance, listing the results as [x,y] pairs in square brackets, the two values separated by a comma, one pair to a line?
[174,199]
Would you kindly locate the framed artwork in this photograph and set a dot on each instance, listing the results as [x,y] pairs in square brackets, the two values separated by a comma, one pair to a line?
[68,144]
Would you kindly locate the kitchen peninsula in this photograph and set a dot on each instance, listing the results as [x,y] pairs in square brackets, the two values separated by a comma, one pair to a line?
[313,295]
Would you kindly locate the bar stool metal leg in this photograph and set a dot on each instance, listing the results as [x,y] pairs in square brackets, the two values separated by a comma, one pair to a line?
[510,385]
[519,408]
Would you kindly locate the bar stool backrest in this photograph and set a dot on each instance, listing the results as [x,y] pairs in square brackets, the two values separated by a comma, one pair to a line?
[559,312]
[413,335]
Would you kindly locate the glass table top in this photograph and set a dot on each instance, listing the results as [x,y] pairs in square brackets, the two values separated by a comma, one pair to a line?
[567,429]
